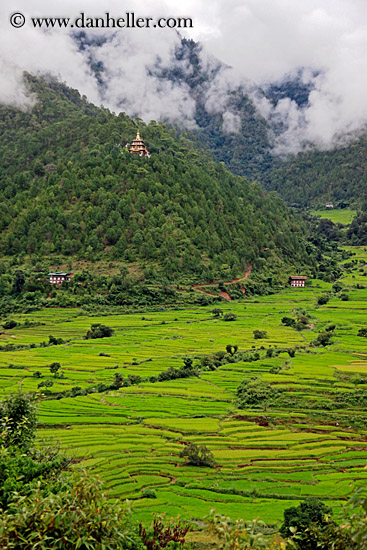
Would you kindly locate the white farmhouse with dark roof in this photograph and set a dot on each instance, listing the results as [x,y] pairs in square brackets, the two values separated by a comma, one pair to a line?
[298,280]
[58,278]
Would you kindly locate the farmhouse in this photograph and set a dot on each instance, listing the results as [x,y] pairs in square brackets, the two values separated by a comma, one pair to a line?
[329,205]
[58,278]
[297,280]
[138,147]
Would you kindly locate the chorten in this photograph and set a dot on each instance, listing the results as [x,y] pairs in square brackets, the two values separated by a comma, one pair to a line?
[138,147]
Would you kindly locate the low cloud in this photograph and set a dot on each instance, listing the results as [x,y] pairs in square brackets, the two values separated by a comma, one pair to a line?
[261,41]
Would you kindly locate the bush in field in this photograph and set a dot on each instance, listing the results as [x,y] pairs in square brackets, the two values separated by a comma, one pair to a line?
[323,299]
[188,363]
[231,349]
[288,322]
[174,374]
[254,393]
[344,297]
[260,334]
[197,455]
[217,312]
[99,331]
[149,493]
[362,332]
[229,317]
[323,339]
[45,384]
[18,420]
[52,341]
[9,324]
[54,368]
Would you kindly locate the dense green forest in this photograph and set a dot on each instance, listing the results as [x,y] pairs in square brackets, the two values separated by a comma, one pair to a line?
[318,177]
[68,186]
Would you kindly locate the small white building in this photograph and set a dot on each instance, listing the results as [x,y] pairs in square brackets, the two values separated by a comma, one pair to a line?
[329,205]
[58,278]
[298,280]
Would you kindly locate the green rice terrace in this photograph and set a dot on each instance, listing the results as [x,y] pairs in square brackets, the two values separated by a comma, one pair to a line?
[303,433]
[336,215]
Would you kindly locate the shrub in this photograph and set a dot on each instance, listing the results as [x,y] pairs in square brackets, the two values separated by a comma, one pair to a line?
[254,393]
[52,341]
[99,331]
[173,374]
[54,368]
[163,535]
[9,324]
[217,312]
[323,299]
[18,420]
[77,516]
[344,297]
[311,511]
[231,349]
[362,332]
[288,322]
[21,472]
[197,455]
[45,384]
[229,317]
[188,363]
[260,334]
[240,534]
[323,339]
[149,493]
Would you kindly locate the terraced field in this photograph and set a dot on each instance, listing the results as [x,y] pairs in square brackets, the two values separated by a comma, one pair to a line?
[312,441]
[336,215]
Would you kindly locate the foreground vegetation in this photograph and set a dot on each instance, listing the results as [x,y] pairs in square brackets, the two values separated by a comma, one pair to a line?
[45,503]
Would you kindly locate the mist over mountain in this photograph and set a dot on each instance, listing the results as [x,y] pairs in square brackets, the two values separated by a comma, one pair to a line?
[257,45]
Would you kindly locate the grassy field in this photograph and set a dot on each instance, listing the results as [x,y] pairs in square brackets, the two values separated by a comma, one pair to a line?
[336,215]
[312,442]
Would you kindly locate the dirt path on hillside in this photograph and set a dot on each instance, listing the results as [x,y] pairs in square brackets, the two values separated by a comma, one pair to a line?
[224,295]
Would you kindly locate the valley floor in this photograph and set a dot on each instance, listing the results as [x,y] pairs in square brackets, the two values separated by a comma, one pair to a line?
[311,442]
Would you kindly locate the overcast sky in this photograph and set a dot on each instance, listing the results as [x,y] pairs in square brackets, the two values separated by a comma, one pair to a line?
[261,39]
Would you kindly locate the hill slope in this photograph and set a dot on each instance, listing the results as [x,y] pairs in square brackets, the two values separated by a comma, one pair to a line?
[69,187]
[318,177]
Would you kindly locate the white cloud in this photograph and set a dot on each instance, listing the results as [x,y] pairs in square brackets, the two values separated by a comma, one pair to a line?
[261,39]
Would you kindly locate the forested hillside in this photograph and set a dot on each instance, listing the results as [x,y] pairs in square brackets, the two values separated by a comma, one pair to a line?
[317,177]
[69,187]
